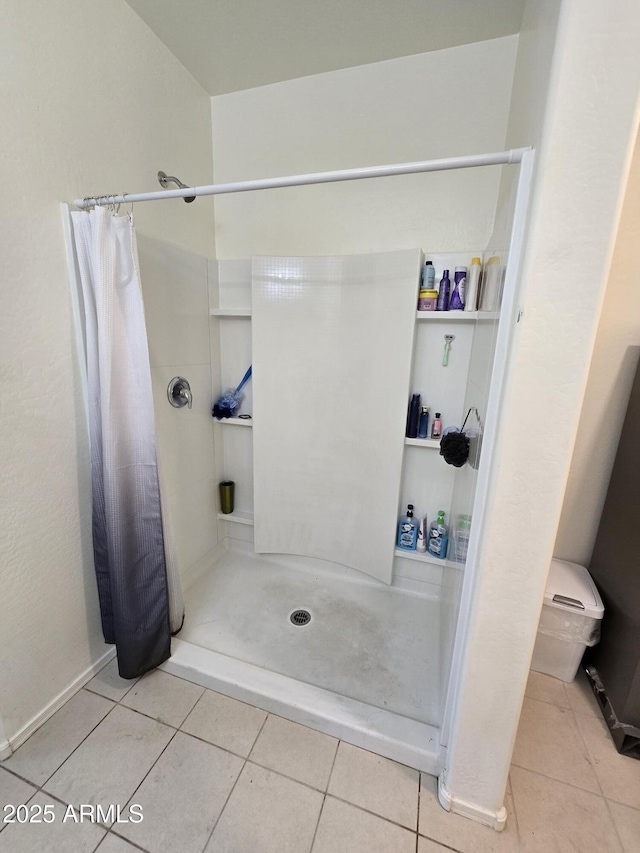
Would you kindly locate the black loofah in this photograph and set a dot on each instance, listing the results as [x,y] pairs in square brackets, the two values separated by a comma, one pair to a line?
[454,448]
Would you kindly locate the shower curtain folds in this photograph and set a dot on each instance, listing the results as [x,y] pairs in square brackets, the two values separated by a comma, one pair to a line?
[139,593]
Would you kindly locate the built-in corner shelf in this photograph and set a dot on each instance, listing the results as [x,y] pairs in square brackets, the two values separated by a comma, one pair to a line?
[433,443]
[418,556]
[450,316]
[243,422]
[231,312]
[238,516]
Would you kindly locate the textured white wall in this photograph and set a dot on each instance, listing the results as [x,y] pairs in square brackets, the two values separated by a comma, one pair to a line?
[440,104]
[613,366]
[589,123]
[92,102]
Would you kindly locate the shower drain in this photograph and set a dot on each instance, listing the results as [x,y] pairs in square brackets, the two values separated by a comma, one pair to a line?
[300,617]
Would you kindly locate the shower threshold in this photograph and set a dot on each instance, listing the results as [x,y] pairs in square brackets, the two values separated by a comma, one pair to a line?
[320,645]
[383,732]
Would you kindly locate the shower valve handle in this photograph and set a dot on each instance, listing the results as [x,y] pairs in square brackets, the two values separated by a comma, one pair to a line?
[179,393]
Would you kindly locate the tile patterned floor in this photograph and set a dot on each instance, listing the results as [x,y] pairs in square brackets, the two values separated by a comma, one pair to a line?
[213,775]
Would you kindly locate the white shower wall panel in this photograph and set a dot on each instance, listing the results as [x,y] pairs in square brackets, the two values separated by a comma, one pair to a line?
[176,292]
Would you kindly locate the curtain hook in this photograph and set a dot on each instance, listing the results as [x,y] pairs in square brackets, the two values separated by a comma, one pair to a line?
[129,212]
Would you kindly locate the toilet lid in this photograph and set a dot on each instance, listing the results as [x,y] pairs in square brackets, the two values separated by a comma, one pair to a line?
[571,587]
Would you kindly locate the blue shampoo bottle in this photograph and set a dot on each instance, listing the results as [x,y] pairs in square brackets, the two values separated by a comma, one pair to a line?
[407,531]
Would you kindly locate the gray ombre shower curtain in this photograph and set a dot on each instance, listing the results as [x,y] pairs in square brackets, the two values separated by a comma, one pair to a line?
[138,584]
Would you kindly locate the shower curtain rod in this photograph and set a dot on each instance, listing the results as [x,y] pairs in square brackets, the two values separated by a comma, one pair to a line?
[514,155]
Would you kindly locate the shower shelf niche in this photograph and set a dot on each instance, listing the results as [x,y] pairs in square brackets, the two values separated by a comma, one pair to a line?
[419,557]
[243,422]
[450,316]
[238,516]
[433,443]
[231,312]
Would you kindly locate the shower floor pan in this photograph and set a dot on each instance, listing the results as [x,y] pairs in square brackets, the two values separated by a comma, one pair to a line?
[364,668]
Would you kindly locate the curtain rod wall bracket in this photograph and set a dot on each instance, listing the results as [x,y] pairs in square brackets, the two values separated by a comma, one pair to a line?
[164,180]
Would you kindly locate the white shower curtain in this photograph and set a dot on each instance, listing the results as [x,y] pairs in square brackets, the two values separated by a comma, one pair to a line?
[138,583]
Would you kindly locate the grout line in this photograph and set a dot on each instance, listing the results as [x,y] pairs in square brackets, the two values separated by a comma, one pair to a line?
[286,776]
[128,840]
[197,702]
[315,831]
[418,814]
[375,814]
[214,745]
[613,822]
[619,803]
[142,781]
[562,707]
[515,811]
[40,787]
[588,754]
[443,844]
[333,764]
[102,696]
[217,821]
[559,781]
[547,702]
[255,740]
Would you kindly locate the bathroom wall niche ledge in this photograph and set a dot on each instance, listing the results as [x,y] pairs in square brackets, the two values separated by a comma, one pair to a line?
[231,312]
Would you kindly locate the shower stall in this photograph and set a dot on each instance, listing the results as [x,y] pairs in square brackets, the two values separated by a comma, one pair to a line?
[298,601]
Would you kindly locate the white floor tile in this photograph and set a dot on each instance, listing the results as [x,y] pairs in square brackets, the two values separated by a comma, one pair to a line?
[295,751]
[557,818]
[627,821]
[377,784]
[347,829]
[182,796]
[225,722]
[426,845]
[461,833]
[111,763]
[108,682]
[14,792]
[114,844]
[163,697]
[618,775]
[581,696]
[547,689]
[53,743]
[549,742]
[54,837]
[267,813]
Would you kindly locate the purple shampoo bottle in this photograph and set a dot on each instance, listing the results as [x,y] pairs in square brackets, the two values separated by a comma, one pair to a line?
[443,293]
[457,296]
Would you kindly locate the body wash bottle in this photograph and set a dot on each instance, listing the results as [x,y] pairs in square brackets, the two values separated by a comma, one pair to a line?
[438,536]
[473,286]
[421,542]
[423,423]
[436,428]
[407,531]
[459,284]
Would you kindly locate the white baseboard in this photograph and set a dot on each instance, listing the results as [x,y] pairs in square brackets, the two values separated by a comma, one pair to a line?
[5,746]
[496,820]
[8,746]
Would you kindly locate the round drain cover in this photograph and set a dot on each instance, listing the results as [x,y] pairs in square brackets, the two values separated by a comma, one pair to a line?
[300,617]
